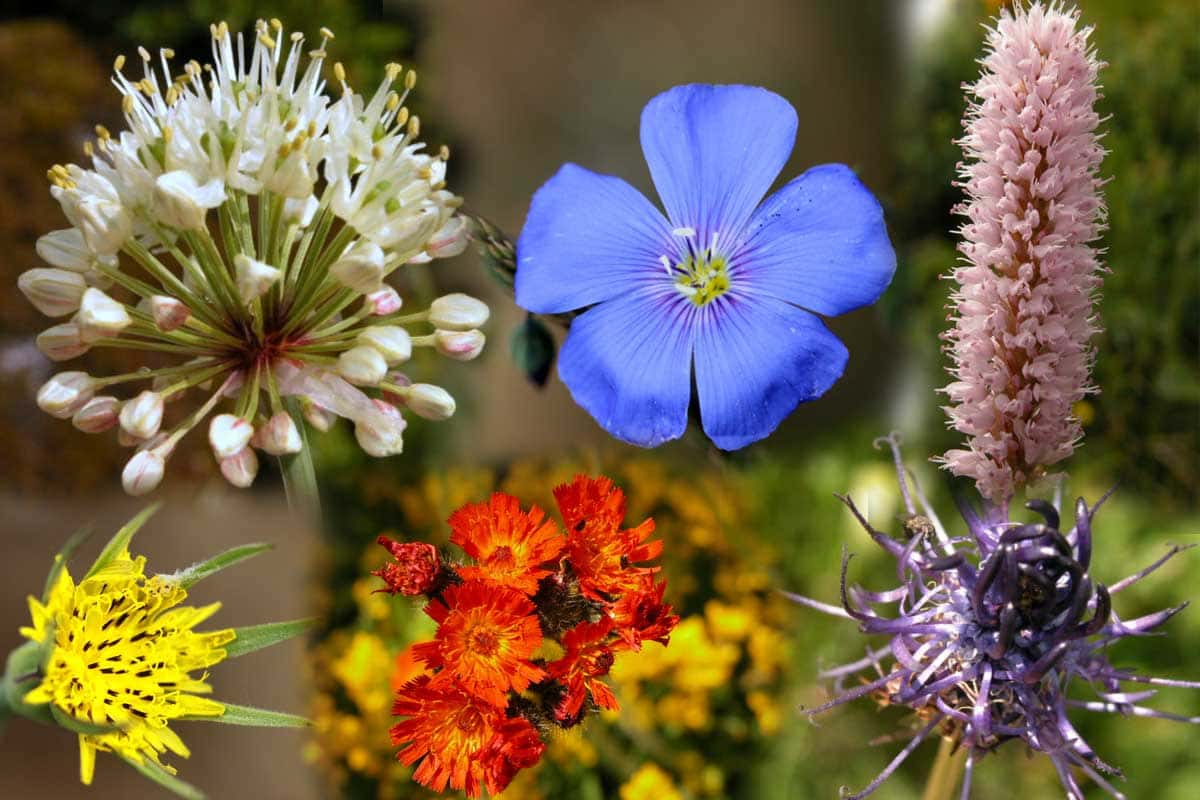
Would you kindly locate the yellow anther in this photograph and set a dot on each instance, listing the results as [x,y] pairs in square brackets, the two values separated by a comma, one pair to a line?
[127,104]
[311,130]
[393,102]
[88,149]
[102,132]
[393,71]
[172,96]
[444,153]
[222,29]
[414,126]
[410,80]
[297,37]
[167,133]
[339,72]
[118,63]
[315,54]
[327,34]
[291,124]
[376,152]
[144,53]
[424,173]
[168,52]
[266,41]
[276,24]
[402,116]
[212,30]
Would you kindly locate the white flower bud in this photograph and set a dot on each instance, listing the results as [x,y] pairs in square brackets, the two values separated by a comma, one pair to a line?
[362,365]
[300,211]
[458,312]
[451,239]
[65,393]
[429,401]
[408,233]
[65,249]
[54,292]
[97,415]
[143,472]
[183,202]
[105,224]
[253,277]
[459,345]
[280,435]
[62,342]
[360,268]
[383,302]
[100,316]
[142,416]
[240,468]
[381,435]
[228,434]
[320,418]
[168,312]
[392,342]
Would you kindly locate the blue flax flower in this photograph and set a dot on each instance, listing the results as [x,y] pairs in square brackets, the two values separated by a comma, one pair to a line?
[722,281]
[989,633]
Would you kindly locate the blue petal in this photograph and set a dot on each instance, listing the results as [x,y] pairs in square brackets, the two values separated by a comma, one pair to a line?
[819,242]
[628,363]
[757,358]
[585,238]
[714,151]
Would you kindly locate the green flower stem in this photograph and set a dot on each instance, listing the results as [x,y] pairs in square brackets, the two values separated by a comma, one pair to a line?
[299,476]
[947,769]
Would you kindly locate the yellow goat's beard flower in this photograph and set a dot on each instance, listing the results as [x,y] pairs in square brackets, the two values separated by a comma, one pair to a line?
[123,657]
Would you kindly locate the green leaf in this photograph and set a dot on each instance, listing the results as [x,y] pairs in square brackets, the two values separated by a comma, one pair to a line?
[165,779]
[79,726]
[256,637]
[120,541]
[532,348]
[63,556]
[189,577]
[254,717]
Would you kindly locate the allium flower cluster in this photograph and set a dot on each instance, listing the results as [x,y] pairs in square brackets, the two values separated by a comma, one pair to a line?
[244,225]
[990,632]
[491,693]
[1023,307]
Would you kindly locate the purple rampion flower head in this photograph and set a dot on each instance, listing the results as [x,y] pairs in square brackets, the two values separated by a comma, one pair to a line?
[722,281]
[990,630]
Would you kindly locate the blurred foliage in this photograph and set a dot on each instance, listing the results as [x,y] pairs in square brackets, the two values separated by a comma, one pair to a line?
[1146,427]
[696,716]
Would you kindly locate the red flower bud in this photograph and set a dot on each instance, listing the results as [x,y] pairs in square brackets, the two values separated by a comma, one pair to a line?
[414,570]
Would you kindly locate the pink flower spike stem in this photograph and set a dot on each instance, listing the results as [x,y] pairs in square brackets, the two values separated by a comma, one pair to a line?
[1022,310]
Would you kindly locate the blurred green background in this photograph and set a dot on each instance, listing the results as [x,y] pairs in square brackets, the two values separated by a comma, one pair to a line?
[516,87]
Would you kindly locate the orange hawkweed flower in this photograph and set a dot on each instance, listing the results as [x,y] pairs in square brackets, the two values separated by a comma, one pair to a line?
[517,745]
[461,741]
[601,554]
[509,545]
[642,616]
[588,657]
[486,635]
[414,570]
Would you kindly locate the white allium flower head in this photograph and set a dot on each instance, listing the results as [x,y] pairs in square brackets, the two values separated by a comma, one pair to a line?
[317,198]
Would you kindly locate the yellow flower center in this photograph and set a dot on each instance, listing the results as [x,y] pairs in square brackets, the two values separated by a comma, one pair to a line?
[703,278]
[701,275]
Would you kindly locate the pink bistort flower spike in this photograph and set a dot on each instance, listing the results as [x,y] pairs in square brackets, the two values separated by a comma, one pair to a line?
[1023,307]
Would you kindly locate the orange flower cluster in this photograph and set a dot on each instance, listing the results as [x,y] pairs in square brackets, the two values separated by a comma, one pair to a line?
[483,696]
